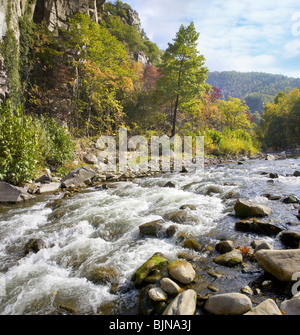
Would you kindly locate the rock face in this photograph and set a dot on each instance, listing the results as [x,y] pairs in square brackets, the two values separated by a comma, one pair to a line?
[246,208]
[13,194]
[228,304]
[282,264]
[183,304]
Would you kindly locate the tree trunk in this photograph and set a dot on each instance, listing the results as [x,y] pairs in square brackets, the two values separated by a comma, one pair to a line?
[177,100]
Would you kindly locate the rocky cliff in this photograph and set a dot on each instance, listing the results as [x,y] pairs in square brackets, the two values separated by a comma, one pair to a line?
[54,13]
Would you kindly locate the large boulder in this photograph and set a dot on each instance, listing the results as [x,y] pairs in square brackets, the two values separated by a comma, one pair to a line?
[257,227]
[228,304]
[246,208]
[267,307]
[182,271]
[13,194]
[282,264]
[155,262]
[183,304]
[78,177]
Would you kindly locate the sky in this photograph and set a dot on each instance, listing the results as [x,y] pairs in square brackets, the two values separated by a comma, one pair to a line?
[239,35]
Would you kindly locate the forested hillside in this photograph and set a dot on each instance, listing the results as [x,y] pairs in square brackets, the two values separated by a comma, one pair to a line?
[256,88]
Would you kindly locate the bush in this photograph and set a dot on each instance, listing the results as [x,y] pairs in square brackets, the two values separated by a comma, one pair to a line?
[28,144]
[18,145]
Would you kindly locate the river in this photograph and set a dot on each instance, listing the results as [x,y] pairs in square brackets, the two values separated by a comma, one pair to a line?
[100,227]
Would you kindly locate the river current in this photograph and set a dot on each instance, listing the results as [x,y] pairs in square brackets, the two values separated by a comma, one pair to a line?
[100,227]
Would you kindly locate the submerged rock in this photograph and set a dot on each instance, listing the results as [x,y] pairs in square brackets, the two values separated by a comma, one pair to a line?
[180,217]
[183,304]
[257,227]
[192,244]
[230,259]
[246,208]
[102,275]
[34,245]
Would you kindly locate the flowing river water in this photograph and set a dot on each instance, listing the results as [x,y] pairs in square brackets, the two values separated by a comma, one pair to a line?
[100,227]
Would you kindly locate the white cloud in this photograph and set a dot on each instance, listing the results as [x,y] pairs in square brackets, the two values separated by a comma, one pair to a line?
[292,49]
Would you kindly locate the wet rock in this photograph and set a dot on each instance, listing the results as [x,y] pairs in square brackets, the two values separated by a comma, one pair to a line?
[169,286]
[66,303]
[229,259]
[260,245]
[146,306]
[267,307]
[273,175]
[282,264]
[230,195]
[290,239]
[13,194]
[182,271]
[292,223]
[157,294]
[245,208]
[183,304]
[102,275]
[78,177]
[157,261]
[228,304]
[291,199]
[224,246]
[191,207]
[151,228]
[192,244]
[171,231]
[170,185]
[34,245]
[291,306]
[180,217]
[296,174]
[212,190]
[257,227]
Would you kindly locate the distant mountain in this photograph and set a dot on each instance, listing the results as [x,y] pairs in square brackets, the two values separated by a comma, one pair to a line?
[256,88]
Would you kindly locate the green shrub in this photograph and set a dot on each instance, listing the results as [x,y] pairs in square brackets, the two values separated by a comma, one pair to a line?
[18,145]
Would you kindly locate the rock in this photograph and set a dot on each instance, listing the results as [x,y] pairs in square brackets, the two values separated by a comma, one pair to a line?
[291,306]
[260,245]
[66,302]
[245,208]
[296,174]
[183,304]
[257,227]
[228,304]
[267,307]
[290,239]
[291,199]
[157,294]
[230,259]
[169,286]
[247,290]
[182,271]
[180,217]
[146,305]
[273,175]
[48,188]
[292,223]
[151,228]
[13,194]
[192,244]
[102,275]
[90,159]
[157,261]
[34,245]
[282,264]
[191,207]
[170,185]
[212,190]
[224,246]
[45,179]
[171,231]
[78,177]
[270,157]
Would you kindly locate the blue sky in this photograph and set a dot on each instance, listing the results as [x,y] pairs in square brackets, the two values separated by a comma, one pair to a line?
[241,35]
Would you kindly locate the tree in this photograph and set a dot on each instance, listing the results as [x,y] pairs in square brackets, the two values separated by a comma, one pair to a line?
[183,73]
